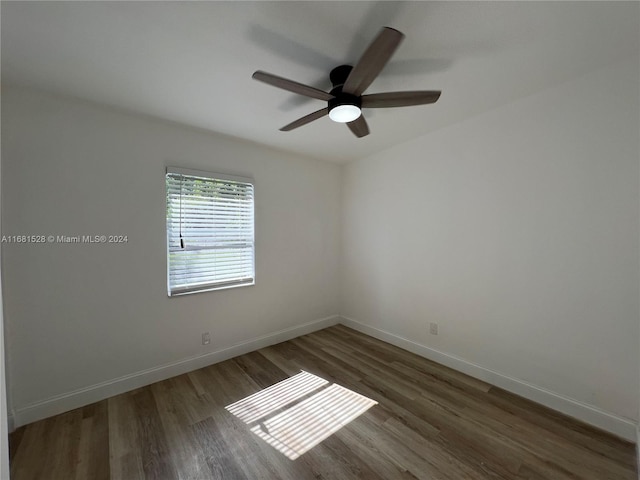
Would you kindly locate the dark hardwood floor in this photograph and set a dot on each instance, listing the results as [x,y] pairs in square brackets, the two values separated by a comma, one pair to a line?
[429,422]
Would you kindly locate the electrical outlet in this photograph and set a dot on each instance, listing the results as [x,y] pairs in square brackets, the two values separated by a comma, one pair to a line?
[433,328]
[206,338]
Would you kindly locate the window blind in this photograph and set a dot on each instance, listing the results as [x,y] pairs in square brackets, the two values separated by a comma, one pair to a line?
[210,231]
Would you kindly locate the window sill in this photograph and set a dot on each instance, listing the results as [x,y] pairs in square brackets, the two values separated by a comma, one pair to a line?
[210,289]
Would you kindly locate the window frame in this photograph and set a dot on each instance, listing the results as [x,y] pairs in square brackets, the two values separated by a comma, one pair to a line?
[214,176]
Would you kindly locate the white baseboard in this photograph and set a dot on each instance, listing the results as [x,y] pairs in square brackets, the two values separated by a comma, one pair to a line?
[94,393]
[619,426]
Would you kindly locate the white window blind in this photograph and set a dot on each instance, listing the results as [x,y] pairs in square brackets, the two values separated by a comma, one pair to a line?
[210,234]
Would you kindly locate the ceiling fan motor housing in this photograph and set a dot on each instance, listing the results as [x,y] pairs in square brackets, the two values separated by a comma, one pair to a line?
[343,99]
[338,76]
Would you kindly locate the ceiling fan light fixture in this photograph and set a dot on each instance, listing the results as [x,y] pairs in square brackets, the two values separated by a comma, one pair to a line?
[346,99]
[344,113]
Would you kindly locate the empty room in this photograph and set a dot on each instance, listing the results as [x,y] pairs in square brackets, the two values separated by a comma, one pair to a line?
[320,240]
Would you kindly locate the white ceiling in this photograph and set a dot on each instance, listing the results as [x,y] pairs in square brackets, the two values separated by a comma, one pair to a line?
[191,62]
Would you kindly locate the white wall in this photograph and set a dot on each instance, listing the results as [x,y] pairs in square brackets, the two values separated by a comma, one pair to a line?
[78,315]
[517,232]
[4,439]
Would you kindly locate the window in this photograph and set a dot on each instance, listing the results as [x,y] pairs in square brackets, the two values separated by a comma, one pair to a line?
[210,239]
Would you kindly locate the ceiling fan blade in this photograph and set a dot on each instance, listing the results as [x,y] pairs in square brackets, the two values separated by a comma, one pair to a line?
[359,127]
[400,99]
[372,61]
[291,86]
[306,119]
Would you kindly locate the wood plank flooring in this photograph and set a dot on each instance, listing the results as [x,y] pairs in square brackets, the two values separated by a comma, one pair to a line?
[430,422]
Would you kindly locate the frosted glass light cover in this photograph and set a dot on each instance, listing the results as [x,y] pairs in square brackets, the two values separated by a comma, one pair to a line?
[344,113]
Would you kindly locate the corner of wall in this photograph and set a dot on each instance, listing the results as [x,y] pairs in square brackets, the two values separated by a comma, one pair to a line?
[10,423]
[619,426]
[638,451]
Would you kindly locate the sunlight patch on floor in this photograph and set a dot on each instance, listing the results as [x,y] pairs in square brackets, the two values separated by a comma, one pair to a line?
[293,419]
[263,403]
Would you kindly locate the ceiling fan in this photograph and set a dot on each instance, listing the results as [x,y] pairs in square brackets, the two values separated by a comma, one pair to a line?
[345,101]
